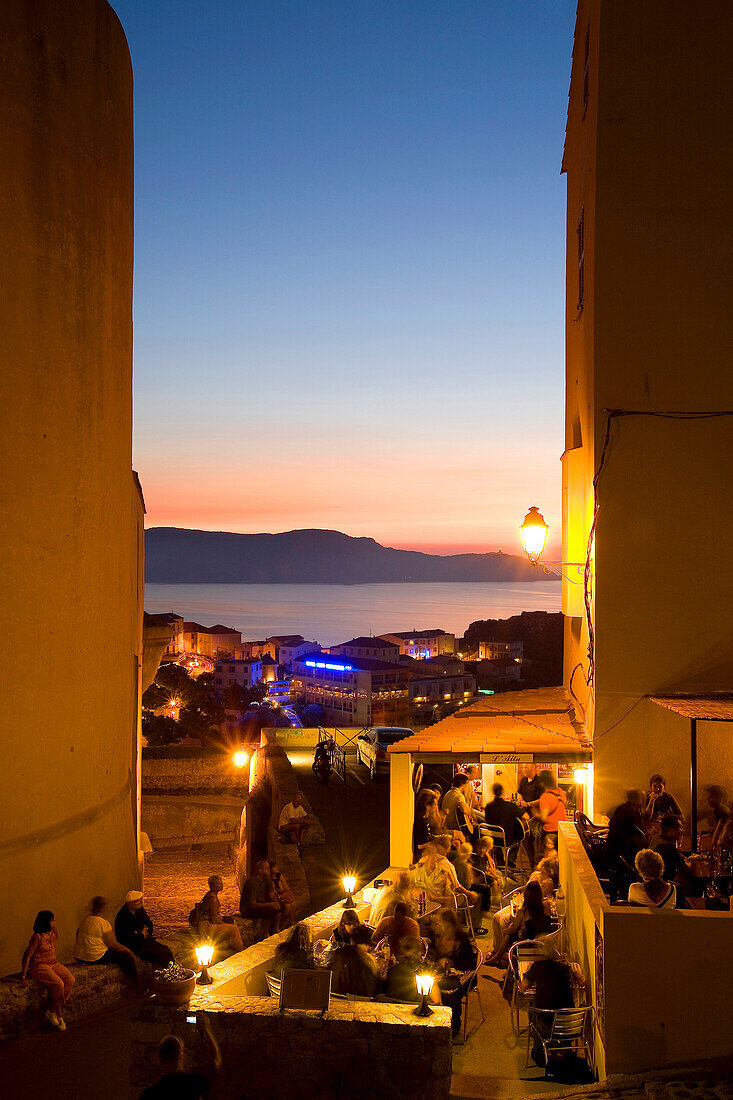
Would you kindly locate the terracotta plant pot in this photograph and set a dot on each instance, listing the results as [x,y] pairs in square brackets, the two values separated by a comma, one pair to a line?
[175,993]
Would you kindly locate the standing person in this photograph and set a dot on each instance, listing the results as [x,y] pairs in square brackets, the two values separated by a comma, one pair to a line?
[96,943]
[176,1082]
[211,922]
[530,787]
[134,929]
[468,877]
[474,794]
[294,821]
[660,803]
[39,960]
[505,815]
[553,802]
[625,838]
[259,900]
[717,800]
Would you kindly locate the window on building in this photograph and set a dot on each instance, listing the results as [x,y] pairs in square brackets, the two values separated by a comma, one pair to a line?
[581,259]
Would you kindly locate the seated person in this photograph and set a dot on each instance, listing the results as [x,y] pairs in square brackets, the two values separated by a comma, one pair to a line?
[401,983]
[550,978]
[294,821]
[459,814]
[96,943]
[396,927]
[450,941]
[436,875]
[354,969]
[505,815]
[675,864]
[652,890]
[530,921]
[259,900]
[285,895]
[134,929]
[659,803]
[473,794]
[548,871]
[470,880]
[291,954]
[424,825]
[388,896]
[211,923]
[344,930]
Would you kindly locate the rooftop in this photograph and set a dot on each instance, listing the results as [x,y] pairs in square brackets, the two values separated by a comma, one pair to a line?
[715,706]
[376,643]
[405,634]
[540,724]
[287,639]
[359,664]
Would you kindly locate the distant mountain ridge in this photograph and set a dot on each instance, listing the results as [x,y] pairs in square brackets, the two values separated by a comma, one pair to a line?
[177,555]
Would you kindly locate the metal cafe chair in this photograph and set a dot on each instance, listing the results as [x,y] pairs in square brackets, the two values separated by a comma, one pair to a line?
[463,910]
[473,987]
[273,985]
[562,1027]
[521,957]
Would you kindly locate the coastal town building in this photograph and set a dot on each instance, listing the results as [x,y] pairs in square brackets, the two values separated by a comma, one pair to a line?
[377,649]
[242,673]
[494,651]
[354,691]
[422,644]
[211,641]
[648,461]
[176,642]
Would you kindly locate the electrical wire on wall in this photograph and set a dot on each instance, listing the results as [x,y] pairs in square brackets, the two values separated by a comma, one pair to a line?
[611,415]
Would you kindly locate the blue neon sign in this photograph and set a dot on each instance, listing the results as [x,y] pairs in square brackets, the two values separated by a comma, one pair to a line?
[334,668]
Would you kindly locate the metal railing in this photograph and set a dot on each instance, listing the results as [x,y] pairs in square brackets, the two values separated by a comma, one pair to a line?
[337,754]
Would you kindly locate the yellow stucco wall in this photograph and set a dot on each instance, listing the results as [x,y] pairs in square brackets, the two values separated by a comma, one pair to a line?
[648,163]
[71,524]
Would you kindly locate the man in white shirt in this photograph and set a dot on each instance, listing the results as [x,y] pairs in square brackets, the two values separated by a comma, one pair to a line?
[96,943]
[294,821]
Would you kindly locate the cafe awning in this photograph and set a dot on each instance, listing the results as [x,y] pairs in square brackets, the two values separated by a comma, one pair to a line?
[536,726]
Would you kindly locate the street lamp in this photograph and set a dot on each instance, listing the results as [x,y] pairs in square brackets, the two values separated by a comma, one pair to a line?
[204,955]
[349,883]
[424,986]
[533,530]
[240,759]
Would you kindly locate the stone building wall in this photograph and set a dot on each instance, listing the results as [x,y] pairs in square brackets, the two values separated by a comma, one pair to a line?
[71,522]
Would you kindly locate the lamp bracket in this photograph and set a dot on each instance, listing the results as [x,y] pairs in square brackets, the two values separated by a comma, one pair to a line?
[555,569]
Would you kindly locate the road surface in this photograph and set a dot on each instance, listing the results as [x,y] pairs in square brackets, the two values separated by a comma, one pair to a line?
[355,818]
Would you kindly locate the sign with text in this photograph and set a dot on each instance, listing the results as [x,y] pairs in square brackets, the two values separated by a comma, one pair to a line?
[506,758]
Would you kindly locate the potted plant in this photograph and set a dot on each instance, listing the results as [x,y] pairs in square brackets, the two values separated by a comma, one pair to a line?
[174,985]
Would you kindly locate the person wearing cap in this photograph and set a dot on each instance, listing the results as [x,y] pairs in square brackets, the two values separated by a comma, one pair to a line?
[134,929]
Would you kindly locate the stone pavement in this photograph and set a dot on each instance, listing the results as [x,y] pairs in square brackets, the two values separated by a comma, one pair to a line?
[175,878]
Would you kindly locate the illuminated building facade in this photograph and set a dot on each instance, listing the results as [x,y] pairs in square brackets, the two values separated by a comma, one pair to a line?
[375,649]
[423,644]
[648,461]
[241,673]
[496,651]
[354,691]
[211,641]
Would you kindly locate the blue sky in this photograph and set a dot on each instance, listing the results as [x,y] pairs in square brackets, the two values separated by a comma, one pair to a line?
[349,274]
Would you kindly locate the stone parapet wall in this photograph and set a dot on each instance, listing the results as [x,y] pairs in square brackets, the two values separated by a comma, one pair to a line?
[363,1049]
[22,1008]
[187,769]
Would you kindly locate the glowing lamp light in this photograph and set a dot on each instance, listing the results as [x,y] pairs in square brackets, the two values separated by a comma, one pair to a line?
[349,883]
[240,759]
[534,534]
[580,775]
[204,955]
[424,987]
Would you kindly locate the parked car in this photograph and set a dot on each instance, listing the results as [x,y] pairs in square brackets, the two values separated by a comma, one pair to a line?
[371,747]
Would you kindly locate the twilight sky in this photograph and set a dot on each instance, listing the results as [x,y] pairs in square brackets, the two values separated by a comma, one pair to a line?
[349,275]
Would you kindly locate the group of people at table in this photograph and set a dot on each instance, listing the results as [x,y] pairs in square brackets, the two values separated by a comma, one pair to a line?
[643,847]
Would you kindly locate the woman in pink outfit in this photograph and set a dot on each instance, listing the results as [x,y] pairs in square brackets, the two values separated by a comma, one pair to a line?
[39,960]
